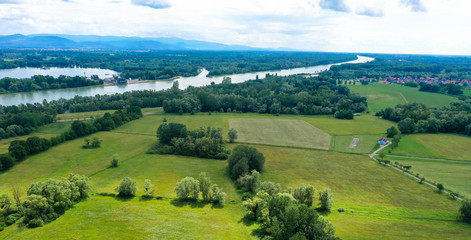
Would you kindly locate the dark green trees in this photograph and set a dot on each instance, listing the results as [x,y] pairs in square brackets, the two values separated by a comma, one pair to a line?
[391,132]
[465,211]
[243,160]
[167,131]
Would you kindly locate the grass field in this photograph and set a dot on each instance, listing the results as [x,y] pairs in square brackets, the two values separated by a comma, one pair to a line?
[385,204]
[280,132]
[381,96]
[453,175]
[442,146]
[365,143]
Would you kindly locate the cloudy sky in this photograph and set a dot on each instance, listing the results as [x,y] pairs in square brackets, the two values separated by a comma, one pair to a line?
[387,26]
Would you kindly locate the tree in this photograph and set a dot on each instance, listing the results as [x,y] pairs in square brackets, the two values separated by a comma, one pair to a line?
[382,155]
[407,125]
[304,194]
[16,195]
[18,149]
[465,211]
[96,142]
[391,132]
[5,202]
[395,141]
[188,188]
[81,183]
[232,135]
[226,80]
[270,187]
[127,188]
[325,198]
[167,131]
[440,187]
[6,161]
[148,188]
[217,195]
[115,160]
[205,186]
[243,160]
[250,182]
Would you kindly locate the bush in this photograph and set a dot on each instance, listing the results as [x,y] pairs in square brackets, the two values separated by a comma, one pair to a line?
[188,188]
[465,211]
[167,131]
[217,195]
[325,198]
[148,188]
[245,159]
[341,210]
[304,194]
[127,188]
[115,160]
[249,182]
[232,135]
[34,223]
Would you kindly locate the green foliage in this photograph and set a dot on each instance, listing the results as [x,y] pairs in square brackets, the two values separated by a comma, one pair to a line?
[205,186]
[391,132]
[188,188]
[18,149]
[243,160]
[326,201]
[127,188]
[217,195]
[304,194]
[148,188]
[232,135]
[249,182]
[465,211]
[115,160]
[395,141]
[407,125]
[6,161]
[167,131]
[440,187]
[283,217]
[269,187]
[48,200]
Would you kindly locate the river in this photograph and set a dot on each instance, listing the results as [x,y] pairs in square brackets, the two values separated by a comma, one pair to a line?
[184,82]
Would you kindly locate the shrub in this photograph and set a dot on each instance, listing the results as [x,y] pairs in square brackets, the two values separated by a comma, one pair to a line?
[148,188]
[270,187]
[304,194]
[167,131]
[232,135]
[249,182]
[440,187]
[341,210]
[115,160]
[465,211]
[34,223]
[127,188]
[217,195]
[325,198]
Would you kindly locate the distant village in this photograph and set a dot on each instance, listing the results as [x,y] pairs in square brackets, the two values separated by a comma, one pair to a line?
[418,80]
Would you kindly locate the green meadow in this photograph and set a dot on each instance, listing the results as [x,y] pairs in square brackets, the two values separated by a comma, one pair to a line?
[381,203]
[381,96]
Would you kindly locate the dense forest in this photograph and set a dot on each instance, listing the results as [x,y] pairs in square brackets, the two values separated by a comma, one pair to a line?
[155,65]
[415,66]
[417,118]
[40,82]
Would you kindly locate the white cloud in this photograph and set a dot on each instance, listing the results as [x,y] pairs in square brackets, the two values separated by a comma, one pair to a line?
[303,24]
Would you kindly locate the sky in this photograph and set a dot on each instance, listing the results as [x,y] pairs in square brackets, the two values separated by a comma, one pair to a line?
[374,26]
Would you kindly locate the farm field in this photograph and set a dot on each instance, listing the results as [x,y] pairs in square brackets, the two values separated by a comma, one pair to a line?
[453,175]
[364,145]
[280,132]
[380,202]
[441,146]
[381,96]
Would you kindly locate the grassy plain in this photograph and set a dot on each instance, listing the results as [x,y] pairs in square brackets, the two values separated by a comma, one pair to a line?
[380,202]
[381,96]
[364,145]
[453,175]
[280,132]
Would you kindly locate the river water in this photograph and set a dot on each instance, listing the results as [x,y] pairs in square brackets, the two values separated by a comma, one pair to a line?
[184,82]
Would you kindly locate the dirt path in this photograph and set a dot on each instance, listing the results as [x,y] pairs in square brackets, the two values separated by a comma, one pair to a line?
[372,156]
[405,99]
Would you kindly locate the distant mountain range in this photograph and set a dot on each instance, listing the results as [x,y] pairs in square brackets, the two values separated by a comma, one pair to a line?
[62,41]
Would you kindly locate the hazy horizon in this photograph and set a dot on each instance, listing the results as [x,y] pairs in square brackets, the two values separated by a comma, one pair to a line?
[357,26]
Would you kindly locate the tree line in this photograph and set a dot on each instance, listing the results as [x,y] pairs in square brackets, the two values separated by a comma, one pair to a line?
[20,149]
[418,118]
[155,65]
[40,82]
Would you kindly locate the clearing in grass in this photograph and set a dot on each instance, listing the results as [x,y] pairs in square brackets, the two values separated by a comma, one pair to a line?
[280,132]
[364,144]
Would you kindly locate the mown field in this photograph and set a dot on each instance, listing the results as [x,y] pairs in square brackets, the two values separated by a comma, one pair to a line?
[441,146]
[380,202]
[280,132]
[364,145]
[381,96]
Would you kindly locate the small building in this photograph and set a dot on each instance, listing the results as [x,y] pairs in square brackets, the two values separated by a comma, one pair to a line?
[383,141]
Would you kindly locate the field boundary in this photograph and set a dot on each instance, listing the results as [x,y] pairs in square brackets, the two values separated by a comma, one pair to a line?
[372,156]
[433,159]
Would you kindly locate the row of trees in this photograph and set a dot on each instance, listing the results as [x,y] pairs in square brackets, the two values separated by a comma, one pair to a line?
[40,82]
[20,149]
[415,117]
[174,138]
